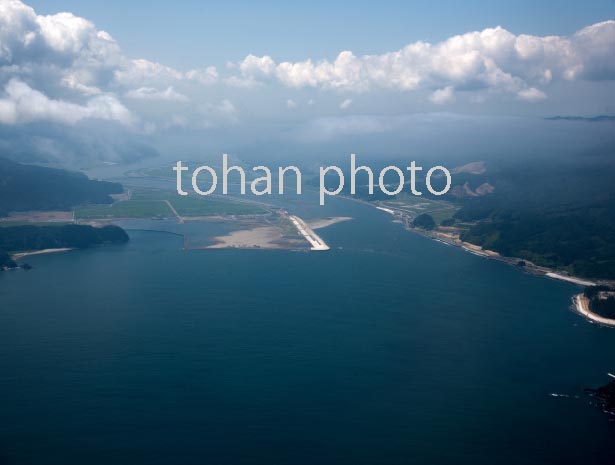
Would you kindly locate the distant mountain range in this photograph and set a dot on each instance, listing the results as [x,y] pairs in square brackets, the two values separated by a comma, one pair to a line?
[589,119]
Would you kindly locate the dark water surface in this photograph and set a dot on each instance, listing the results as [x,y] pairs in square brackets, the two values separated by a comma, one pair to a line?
[389,349]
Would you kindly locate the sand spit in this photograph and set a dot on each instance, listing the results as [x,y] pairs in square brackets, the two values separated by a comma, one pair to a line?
[17,256]
[274,236]
[326,222]
[388,210]
[261,237]
[570,279]
[581,306]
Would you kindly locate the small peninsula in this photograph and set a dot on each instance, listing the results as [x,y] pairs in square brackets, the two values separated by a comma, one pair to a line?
[46,238]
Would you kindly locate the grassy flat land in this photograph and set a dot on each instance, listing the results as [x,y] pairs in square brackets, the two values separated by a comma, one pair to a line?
[193,205]
[416,202]
[440,215]
[125,209]
[439,210]
[152,203]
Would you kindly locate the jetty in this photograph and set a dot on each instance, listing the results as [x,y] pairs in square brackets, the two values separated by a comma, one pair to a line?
[308,233]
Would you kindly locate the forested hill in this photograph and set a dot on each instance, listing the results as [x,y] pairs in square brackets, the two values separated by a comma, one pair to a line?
[76,236]
[29,187]
[557,213]
[50,237]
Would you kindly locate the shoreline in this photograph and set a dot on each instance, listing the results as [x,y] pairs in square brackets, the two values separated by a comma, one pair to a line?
[272,237]
[530,268]
[570,279]
[581,306]
[326,222]
[19,255]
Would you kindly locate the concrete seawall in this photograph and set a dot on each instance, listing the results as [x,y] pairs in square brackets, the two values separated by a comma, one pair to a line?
[308,233]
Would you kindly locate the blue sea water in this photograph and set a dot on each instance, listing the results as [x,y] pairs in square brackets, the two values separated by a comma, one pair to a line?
[389,349]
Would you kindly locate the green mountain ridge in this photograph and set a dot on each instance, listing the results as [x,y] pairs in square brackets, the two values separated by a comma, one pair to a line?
[29,187]
[555,213]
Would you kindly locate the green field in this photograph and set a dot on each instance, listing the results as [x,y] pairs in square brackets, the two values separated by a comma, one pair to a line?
[126,209]
[191,206]
[199,206]
[416,202]
[439,210]
[441,215]
[151,203]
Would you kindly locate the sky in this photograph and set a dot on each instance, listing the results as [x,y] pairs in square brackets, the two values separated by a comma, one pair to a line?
[286,76]
[182,33]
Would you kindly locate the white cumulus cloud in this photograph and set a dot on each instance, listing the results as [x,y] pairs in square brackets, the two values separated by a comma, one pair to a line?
[443,96]
[67,63]
[345,104]
[532,95]
[216,113]
[493,59]
[65,58]
[150,93]
[205,76]
[22,104]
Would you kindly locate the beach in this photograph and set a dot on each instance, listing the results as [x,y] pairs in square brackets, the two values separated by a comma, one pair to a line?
[570,279]
[326,222]
[17,256]
[581,306]
[261,237]
[275,237]
[452,238]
